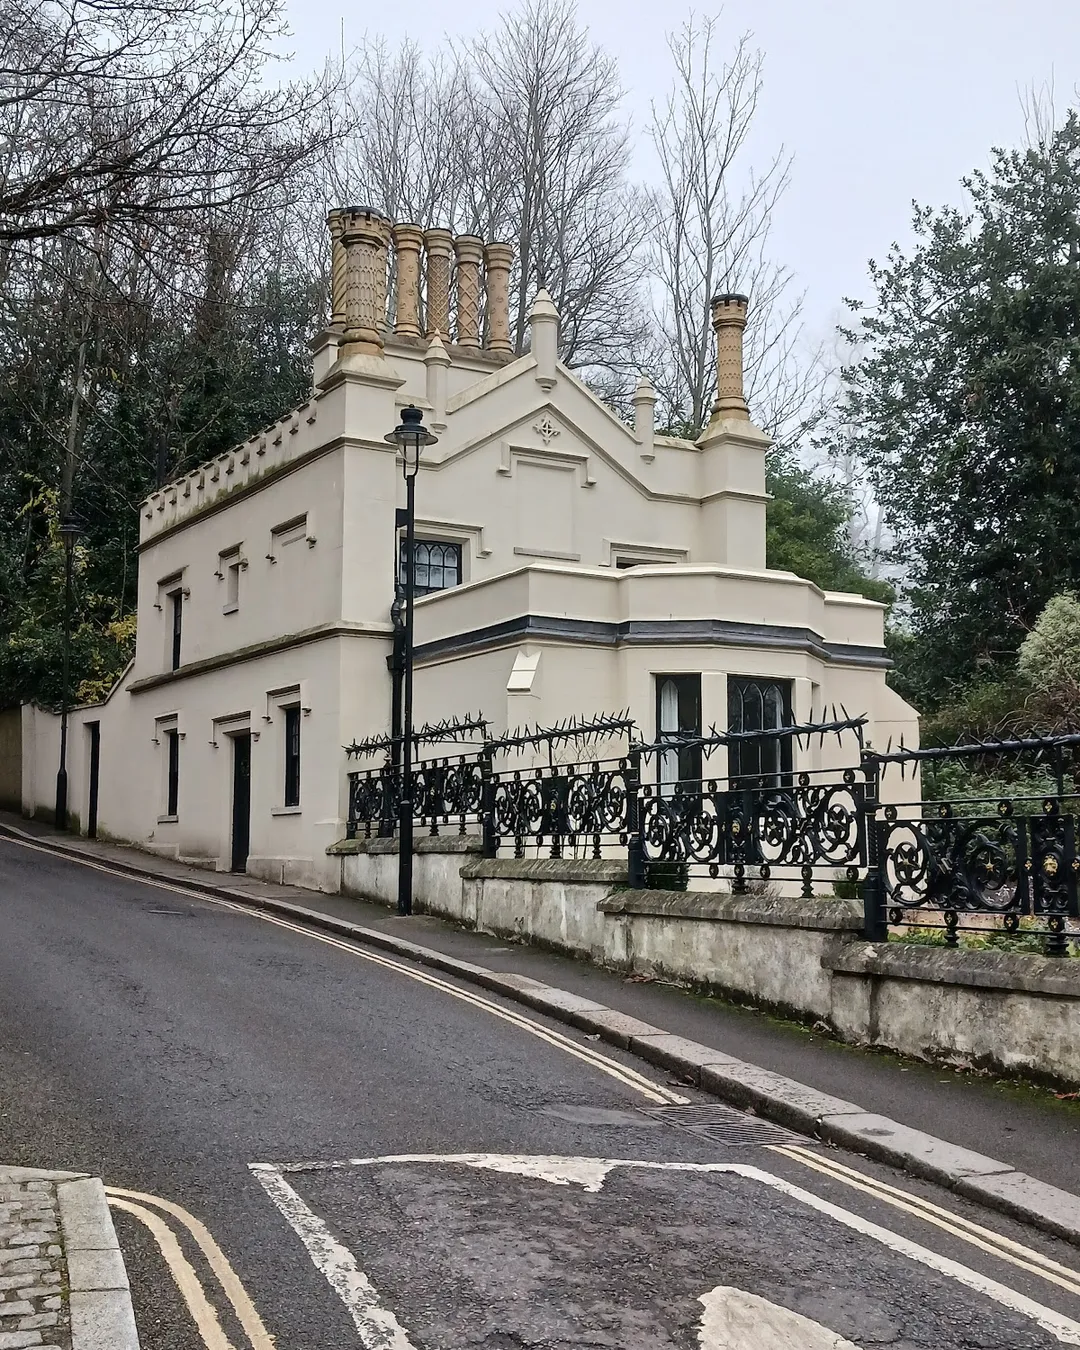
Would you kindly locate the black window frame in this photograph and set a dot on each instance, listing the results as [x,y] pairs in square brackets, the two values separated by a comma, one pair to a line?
[764,762]
[292,755]
[688,715]
[176,599]
[424,567]
[172,772]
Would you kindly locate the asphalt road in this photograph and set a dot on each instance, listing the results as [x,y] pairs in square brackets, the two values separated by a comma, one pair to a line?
[382,1156]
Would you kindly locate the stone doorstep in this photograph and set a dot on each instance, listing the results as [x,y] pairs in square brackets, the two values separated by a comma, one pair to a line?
[989,1182]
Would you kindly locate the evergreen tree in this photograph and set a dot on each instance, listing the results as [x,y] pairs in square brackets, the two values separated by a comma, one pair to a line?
[966,405]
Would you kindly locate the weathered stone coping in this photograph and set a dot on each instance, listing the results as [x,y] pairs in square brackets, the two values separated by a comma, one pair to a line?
[422,843]
[821,915]
[1014,972]
[599,871]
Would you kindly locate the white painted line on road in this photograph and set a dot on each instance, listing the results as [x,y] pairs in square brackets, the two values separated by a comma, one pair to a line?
[246,1313]
[653,1092]
[736,1320]
[1006,1249]
[378,1328]
[588,1173]
[200,1307]
[594,1171]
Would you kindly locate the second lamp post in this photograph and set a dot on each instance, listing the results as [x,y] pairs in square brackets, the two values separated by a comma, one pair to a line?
[410,437]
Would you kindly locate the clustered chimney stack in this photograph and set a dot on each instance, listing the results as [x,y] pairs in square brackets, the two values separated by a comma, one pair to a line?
[474,275]
[498,259]
[365,237]
[729,322]
[439,246]
[470,256]
[408,241]
[336,222]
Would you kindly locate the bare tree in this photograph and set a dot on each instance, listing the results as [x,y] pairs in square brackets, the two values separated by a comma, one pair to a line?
[518,137]
[556,100]
[710,233]
[142,111]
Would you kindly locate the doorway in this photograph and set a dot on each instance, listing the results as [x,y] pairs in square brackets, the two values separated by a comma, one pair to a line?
[94,728]
[241,800]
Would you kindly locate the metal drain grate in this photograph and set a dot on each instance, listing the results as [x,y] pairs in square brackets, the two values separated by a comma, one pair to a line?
[721,1124]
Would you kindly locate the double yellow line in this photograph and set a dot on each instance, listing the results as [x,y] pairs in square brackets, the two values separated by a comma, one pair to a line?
[994,1244]
[656,1093]
[652,1091]
[145,1208]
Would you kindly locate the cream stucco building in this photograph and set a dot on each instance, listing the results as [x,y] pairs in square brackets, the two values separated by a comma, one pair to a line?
[574,565]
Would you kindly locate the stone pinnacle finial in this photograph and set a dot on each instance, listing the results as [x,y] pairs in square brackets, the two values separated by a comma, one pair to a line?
[644,423]
[544,323]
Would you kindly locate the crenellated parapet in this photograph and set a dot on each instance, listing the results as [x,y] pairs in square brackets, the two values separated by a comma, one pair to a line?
[269,450]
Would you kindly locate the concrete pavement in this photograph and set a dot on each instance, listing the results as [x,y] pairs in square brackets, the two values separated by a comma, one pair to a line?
[444,1151]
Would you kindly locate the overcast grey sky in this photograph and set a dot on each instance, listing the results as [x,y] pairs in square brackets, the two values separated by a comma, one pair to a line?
[879,102]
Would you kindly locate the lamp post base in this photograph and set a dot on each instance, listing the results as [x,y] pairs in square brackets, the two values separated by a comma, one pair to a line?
[405,860]
[60,813]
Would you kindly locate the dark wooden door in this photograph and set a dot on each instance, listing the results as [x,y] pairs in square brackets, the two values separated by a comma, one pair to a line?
[94,728]
[241,811]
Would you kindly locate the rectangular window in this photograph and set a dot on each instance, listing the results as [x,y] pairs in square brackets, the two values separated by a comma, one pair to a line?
[678,716]
[292,756]
[172,782]
[759,705]
[232,586]
[437,565]
[176,602]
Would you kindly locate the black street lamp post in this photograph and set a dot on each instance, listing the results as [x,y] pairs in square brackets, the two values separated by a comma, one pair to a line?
[410,437]
[69,532]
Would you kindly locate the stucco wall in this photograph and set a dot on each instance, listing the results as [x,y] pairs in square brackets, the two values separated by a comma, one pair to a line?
[286,844]
[369,870]
[1006,1012]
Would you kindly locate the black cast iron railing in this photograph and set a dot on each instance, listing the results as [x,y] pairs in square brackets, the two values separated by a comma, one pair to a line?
[562,808]
[447,792]
[954,865]
[765,828]
[948,866]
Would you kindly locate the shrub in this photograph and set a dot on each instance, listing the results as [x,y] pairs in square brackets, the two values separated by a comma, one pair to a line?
[1049,657]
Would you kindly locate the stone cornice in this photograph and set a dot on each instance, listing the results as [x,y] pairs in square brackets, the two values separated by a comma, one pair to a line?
[649,633]
[319,633]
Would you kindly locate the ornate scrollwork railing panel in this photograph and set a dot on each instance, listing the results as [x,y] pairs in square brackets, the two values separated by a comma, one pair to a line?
[573,805]
[957,863]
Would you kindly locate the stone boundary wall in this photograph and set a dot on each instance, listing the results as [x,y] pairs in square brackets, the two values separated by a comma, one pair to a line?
[11,759]
[1002,1012]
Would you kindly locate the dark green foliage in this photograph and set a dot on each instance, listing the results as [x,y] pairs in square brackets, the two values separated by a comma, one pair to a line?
[966,409]
[170,384]
[806,532]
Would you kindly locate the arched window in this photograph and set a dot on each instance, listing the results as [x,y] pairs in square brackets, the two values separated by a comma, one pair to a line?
[437,564]
[759,705]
